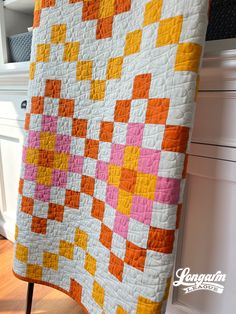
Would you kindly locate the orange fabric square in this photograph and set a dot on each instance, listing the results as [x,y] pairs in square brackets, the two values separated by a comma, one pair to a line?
[148,306]
[104,28]
[122,111]
[37,15]
[161,240]
[72,199]
[175,138]
[87,185]
[55,212]
[157,111]
[66,108]
[27,205]
[75,290]
[79,128]
[135,256]
[116,266]
[122,6]
[39,225]
[27,121]
[106,131]
[48,3]
[128,179]
[46,158]
[91,148]
[37,104]
[106,236]
[98,209]
[53,88]
[21,185]
[141,87]
[90,10]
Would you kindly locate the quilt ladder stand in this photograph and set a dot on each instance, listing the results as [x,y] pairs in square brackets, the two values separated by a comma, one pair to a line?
[30,291]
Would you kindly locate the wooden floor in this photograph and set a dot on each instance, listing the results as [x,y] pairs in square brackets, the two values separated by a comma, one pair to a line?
[13,291]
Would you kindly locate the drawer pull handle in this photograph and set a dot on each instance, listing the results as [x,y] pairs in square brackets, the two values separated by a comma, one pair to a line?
[23,104]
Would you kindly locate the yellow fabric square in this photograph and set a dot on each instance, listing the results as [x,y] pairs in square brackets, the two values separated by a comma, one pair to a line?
[58,34]
[43,52]
[38,5]
[90,264]
[131,157]
[98,294]
[50,260]
[21,253]
[169,31]
[114,68]
[146,185]
[66,249]
[152,12]
[114,173]
[34,271]
[84,70]
[32,155]
[44,176]
[32,70]
[71,51]
[124,202]
[16,232]
[106,8]
[133,42]
[188,57]
[146,306]
[61,161]
[120,310]
[97,90]
[81,239]
[47,141]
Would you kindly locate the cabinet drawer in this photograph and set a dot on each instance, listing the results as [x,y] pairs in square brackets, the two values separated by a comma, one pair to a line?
[215,119]
[11,107]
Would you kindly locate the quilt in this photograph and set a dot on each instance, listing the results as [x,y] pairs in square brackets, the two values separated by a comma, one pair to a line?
[111,106]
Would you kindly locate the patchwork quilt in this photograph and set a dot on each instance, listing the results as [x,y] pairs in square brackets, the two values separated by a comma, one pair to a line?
[112,97]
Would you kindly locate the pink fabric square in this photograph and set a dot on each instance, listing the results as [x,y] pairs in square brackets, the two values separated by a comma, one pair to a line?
[63,143]
[112,196]
[121,225]
[117,154]
[33,139]
[149,161]
[135,134]
[142,209]
[102,170]
[167,190]
[76,164]
[30,172]
[24,151]
[49,124]
[59,178]
[42,193]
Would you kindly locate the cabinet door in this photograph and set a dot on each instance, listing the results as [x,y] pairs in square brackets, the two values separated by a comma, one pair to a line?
[11,141]
[206,241]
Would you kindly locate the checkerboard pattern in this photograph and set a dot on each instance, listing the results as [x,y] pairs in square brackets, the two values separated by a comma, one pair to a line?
[112,89]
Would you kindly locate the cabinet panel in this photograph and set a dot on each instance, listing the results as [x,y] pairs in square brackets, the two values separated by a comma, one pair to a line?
[215,119]
[207,239]
[11,140]
[11,106]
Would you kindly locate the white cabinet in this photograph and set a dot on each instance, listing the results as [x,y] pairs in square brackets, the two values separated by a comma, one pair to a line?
[11,141]
[206,240]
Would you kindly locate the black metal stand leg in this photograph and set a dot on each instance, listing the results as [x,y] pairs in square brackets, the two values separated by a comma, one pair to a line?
[29,297]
